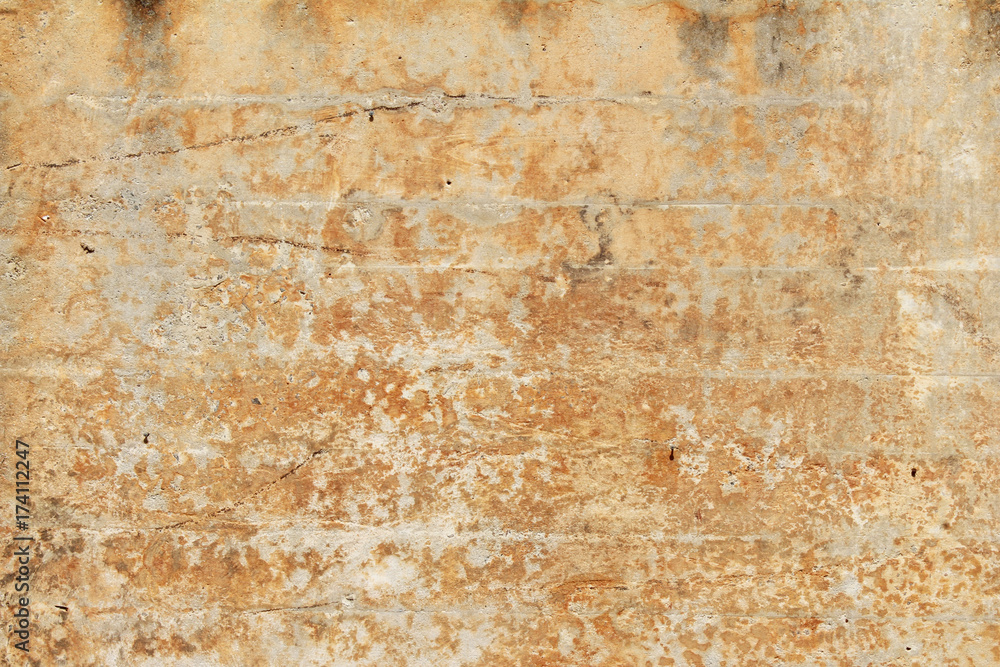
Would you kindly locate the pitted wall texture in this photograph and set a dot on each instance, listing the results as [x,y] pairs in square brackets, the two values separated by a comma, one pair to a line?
[503,333]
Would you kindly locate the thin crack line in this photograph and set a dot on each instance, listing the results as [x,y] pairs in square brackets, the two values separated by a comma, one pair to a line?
[248,498]
[287,130]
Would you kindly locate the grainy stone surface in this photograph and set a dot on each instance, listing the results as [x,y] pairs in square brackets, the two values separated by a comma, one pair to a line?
[503,333]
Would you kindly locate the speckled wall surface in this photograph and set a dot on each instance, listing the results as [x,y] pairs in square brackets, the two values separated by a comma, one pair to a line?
[502,333]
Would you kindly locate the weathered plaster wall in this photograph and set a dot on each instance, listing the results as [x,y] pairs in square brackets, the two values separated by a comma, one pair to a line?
[504,333]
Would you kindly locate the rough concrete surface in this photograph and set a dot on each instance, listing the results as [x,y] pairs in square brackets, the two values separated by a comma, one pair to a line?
[480,332]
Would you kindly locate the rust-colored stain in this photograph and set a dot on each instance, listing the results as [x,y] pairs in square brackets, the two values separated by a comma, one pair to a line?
[501,332]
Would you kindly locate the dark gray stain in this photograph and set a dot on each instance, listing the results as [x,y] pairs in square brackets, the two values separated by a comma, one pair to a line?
[601,220]
[512,12]
[706,41]
[147,57]
[984,19]
[779,45]
[142,14]
[690,326]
